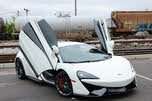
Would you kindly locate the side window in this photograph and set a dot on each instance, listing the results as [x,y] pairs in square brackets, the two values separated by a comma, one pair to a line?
[29,31]
[48,33]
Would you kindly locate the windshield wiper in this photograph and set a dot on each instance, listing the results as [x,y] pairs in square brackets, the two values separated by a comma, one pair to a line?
[94,50]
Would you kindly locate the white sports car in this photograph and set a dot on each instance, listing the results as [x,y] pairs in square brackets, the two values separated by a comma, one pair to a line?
[74,68]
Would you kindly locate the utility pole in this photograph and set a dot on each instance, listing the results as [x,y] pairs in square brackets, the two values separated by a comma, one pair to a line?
[26,10]
[18,13]
[75,7]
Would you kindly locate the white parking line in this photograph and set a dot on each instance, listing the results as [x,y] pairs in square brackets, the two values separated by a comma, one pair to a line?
[143,77]
[4,73]
[6,84]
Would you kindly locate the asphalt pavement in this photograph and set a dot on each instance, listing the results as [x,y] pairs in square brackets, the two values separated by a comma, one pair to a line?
[13,89]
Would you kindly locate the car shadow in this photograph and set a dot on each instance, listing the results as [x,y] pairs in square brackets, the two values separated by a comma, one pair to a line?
[80,98]
[108,97]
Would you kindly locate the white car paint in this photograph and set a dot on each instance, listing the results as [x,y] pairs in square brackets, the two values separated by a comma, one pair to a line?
[112,72]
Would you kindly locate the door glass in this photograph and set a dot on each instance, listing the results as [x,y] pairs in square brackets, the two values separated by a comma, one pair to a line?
[101,37]
[48,33]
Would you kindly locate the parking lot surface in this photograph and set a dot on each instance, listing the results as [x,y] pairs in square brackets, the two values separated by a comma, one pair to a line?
[13,89]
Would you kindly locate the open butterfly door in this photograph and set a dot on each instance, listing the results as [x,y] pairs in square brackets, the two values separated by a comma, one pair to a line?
[36,40]
[103,35]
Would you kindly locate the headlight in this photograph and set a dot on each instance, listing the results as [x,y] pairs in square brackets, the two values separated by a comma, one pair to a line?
[132,68]
[85,75]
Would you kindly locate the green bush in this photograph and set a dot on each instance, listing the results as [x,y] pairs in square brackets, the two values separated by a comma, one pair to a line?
[10,27]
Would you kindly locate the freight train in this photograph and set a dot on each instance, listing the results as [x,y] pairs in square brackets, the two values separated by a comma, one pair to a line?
[2,25]
[59,24]
[125,23]
[130,22]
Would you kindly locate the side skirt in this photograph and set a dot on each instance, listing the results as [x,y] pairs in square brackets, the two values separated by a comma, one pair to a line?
[49,77]
[35,79]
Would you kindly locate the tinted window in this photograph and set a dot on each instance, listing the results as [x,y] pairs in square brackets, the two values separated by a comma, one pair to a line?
[48,33]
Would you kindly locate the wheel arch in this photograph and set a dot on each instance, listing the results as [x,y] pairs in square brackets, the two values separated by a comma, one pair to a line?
[19,56]
[60,70]
[21,75]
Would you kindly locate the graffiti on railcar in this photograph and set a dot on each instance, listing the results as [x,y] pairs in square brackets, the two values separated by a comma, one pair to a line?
[144,27]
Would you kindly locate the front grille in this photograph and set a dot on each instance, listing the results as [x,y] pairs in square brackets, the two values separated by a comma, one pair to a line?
[90,87]
[131,85]
[111,90]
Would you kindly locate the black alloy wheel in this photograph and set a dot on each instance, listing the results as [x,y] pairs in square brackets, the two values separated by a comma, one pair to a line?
[63,84]
[19,69]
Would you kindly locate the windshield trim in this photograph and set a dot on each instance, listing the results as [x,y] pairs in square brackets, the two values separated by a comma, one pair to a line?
[84,61]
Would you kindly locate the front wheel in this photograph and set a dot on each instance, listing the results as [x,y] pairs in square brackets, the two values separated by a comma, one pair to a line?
[63,84]
[19,69]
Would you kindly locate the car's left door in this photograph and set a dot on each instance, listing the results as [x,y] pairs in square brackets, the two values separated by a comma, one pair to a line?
[36,41]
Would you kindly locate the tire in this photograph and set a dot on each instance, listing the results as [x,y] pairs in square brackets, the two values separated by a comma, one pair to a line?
[19,69]
[63,84]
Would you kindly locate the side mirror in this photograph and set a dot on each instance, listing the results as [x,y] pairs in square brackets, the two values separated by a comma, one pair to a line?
[111,44]
[110,47]
[55,49]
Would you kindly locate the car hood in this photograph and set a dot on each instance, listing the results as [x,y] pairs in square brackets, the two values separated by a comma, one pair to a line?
[110,68]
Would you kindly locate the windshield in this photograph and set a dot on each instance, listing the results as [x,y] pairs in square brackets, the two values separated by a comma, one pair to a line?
[82,53]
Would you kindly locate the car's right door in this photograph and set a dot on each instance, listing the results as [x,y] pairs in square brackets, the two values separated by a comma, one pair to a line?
[105,40]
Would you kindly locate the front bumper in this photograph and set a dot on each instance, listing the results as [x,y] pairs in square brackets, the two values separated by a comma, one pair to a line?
[98,91]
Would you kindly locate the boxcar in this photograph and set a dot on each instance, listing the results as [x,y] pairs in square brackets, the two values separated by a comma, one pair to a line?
[132,21]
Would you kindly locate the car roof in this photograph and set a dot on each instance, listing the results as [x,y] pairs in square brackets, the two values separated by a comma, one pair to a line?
[68,43]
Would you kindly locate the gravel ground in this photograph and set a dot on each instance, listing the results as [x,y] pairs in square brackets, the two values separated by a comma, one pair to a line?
[133,46]
[117,46]
[8,50]
[11,42]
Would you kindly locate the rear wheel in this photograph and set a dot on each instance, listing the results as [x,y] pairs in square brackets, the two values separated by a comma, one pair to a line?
[63,84]
[19,69]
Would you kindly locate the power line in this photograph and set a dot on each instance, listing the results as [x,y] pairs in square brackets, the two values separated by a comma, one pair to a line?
[18,13]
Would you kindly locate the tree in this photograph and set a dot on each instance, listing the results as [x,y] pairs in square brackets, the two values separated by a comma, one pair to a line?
[10,27]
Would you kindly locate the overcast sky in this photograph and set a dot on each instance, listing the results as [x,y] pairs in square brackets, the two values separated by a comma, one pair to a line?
[85,7]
